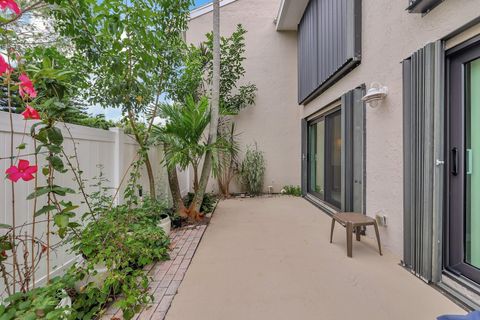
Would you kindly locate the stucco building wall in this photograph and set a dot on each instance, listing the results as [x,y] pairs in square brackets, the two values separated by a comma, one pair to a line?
[389,35]
[273,123]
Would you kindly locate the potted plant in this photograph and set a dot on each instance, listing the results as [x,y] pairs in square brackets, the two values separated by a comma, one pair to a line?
[165,223]
[156,212]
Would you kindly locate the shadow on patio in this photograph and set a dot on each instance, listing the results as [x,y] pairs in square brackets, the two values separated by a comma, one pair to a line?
[270,258]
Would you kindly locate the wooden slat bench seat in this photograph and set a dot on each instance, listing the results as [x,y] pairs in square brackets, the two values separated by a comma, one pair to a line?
[354,221]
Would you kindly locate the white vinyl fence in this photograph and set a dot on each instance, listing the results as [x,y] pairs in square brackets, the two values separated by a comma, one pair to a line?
[111,152]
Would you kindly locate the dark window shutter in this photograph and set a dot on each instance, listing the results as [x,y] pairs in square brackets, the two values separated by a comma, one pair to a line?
[329,44]
[423,142]
[353,151]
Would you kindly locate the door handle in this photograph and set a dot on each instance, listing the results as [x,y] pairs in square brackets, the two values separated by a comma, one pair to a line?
[469,161]
[455,161]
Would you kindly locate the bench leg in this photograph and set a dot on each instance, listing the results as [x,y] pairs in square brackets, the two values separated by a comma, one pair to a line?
[358,230]
[331,231]
[349,239]
[378,238]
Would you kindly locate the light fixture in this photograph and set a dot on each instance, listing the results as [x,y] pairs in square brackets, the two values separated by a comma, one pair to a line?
[375,94]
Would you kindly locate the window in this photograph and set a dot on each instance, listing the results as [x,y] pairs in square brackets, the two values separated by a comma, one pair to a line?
[325,158]
[333,155]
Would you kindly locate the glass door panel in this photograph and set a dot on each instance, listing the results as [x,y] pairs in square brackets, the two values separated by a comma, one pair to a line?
[333,163]
[325,158]
[463,216]
[316,134]
[320,161]
[472,165]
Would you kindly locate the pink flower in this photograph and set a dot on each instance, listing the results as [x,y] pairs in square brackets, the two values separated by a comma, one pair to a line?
[26,86]
[24,171]
[4,66]
[10,4]
[30,113]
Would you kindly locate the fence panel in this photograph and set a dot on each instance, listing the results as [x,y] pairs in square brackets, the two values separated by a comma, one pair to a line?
[110,152]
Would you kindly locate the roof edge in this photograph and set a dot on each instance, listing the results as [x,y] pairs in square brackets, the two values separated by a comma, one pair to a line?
[200,11]
[290,13]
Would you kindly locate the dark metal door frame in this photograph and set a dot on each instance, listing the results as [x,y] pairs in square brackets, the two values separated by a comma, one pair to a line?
[322,117]
[455,170]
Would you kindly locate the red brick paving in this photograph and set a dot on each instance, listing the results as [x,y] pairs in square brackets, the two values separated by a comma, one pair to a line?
[167,275]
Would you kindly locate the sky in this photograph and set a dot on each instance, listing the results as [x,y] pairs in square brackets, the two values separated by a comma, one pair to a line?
[116,114]
[199,3]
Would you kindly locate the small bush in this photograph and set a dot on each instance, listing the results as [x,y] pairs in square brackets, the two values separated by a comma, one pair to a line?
[42,302]
[124,240]
[252,171]
[208,204]
[292,190]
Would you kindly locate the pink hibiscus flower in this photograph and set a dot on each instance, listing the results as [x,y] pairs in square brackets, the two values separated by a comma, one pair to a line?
[4,66]
[24,171]
[30,113]
[10,4]
[26,86]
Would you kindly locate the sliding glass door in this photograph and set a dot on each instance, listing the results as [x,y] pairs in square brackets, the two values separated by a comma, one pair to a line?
[325,158]
[463,256]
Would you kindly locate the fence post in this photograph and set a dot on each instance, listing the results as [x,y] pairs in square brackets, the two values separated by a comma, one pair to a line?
[118,161]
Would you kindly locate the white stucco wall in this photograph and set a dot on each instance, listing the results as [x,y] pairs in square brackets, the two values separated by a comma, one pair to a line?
[271,65]
[389,35]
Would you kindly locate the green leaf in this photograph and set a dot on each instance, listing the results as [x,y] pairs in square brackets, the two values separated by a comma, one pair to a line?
[62,191]
[55,136]
[5,226]
[54,148]
[41,136]
[56,163]
[40,191]
[61,220]
[21,146]
[45,209]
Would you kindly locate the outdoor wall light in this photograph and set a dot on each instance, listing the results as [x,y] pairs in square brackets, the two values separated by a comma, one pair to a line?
[375,94]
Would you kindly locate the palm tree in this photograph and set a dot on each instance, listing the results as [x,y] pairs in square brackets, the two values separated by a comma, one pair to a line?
[185,144]
[183,134]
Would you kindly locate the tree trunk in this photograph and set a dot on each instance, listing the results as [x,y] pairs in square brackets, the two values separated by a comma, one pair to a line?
[151,177]
[178,205]
[148,164]
[214,111]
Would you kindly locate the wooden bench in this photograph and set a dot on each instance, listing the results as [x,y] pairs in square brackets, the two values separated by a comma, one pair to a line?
[354,221]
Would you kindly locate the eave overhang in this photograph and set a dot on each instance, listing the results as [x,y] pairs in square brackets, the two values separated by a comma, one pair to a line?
[290,14]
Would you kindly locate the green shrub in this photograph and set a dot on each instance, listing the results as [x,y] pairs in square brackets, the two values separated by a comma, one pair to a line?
[152,210]
[293,191]
[252,171]
[42,302]
[124,240]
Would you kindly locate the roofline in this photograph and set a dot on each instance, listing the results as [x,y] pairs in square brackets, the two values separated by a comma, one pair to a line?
[290,13]
[200,11]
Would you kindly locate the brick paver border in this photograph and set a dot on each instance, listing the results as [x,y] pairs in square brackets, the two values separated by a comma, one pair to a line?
[167,275]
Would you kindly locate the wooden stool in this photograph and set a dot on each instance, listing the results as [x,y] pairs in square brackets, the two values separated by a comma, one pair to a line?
[354,221]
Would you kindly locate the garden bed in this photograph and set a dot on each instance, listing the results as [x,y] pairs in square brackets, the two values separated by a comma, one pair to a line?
[167,275]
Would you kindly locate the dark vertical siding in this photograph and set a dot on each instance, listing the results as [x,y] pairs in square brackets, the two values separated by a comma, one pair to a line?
[353,151]
[421,109]
[329,44]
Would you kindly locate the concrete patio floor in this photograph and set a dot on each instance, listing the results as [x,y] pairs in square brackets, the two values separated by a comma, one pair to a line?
[270,258]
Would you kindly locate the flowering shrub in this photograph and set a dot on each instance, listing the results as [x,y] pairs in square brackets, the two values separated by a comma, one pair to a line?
[10,4]
[24,171]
